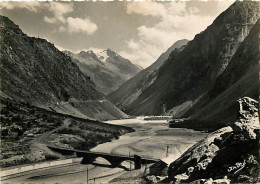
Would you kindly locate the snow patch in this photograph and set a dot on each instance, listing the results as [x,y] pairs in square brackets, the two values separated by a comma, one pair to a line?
[102,56]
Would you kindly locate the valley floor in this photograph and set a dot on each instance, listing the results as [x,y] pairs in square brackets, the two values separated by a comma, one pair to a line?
[150,139]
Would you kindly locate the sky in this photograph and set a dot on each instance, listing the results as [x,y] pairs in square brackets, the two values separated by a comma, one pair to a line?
[138,31]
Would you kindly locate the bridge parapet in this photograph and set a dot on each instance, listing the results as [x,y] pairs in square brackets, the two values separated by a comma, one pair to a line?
[114,159]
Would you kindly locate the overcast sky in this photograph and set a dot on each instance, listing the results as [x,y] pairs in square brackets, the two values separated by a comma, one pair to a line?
[139,31]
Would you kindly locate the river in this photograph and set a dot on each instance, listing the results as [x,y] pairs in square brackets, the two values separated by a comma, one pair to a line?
[150,139]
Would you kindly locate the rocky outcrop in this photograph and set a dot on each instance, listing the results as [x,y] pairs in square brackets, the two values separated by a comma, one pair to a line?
[228,154]
[186,76]
[35,71]
[107,69]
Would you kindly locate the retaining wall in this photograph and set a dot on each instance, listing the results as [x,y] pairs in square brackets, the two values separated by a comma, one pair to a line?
[21,169]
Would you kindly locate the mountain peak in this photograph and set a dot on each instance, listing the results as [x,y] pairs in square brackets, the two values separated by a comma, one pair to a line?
[88,54]
[104,67]
[102,56]
[111,52]
[106,54]
[6,23]
[241,12]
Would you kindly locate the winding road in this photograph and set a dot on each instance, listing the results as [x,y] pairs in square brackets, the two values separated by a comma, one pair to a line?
[86,101]
[40,143]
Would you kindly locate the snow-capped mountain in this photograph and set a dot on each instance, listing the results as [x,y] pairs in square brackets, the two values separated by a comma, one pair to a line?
[102,56]
[107,69]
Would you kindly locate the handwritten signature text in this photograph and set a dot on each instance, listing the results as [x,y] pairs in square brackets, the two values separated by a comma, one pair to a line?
[237,167]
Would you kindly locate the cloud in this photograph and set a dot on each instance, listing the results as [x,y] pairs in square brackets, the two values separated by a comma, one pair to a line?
[70,24]
[146,8]
[31,6]
[133,45]
[62,29]
[77,25]
[58,10]
[94,49]
[50,20]
[176,21]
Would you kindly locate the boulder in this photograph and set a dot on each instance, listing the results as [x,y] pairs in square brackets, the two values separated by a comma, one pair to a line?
[211,181]
[231,152]
[152,179]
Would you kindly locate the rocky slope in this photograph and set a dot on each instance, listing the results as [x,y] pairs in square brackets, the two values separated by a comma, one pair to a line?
[241,77]
[35,71]
[131,89]
[107,69]
[188,74]
[230,154]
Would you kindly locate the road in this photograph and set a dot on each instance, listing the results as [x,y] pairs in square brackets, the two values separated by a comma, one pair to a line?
[39,144]
[86,101]
[68,174]
[43,139]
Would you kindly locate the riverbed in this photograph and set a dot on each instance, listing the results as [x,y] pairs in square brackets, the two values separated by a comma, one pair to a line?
[151,139]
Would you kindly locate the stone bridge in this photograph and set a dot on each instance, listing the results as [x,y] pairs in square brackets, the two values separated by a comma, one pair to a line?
[114,159]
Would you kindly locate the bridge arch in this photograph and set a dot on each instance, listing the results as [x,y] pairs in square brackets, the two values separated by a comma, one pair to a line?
[112,160]
[102,159]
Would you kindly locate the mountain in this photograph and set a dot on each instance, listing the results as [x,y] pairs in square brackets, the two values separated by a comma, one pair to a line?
[190,73]
[35,71]
[107,69]
[241,78]
[131,89]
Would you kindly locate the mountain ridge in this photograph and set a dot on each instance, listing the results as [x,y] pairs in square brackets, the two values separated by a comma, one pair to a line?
[218,105]
[187,75]
[107,69]
[35,71]
[130,90]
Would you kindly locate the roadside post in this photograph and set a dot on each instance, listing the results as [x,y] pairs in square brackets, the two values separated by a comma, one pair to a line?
[145,169]
[87,175]
[167,150]
[130,162]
